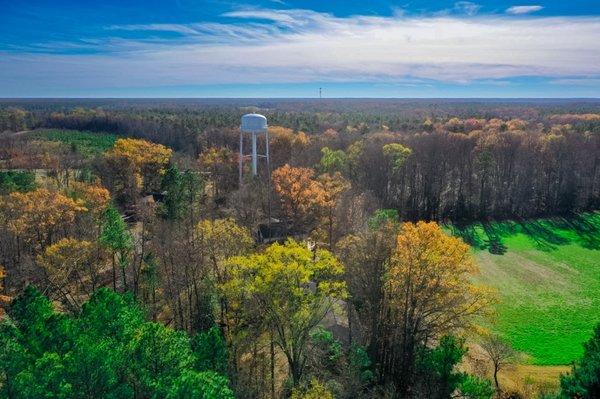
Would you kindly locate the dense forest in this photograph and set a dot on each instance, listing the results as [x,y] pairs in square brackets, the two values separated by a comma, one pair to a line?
[137,264]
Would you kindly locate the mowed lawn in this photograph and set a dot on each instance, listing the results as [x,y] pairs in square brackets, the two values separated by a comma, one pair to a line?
[547,273]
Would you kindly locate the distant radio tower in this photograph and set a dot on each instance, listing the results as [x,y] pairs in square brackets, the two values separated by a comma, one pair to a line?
[320,96]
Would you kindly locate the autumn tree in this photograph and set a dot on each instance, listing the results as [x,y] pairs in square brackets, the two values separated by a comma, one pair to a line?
[135,165]
[217,241]
[149,159]
[314,390]
[96,199]
[71,268]
[222,166]
[285,146]
[427,293]
[39,216]
[332,188]
[93,196]
[300,194]
[281,141]
[289,289]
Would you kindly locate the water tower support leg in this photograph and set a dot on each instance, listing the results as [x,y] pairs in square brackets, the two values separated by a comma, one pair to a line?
[254,157]
[241,161]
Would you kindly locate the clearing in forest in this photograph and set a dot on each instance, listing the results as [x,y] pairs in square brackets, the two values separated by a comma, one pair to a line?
[86,143]
[547,273]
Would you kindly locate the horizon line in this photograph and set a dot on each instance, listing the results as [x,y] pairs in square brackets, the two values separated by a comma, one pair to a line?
[298,98]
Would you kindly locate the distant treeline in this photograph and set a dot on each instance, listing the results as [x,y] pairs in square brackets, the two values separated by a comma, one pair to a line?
[483,175]
[470,160]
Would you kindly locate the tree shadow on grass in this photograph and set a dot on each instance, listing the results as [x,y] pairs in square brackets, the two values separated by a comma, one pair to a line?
[495,232]
[541,233]
[469,234]
[483,235]
[544,233]
[586,228]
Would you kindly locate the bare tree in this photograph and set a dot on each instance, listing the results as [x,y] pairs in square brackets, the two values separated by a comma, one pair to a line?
[500,353]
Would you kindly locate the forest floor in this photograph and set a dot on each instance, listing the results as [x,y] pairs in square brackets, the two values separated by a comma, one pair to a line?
[547,273]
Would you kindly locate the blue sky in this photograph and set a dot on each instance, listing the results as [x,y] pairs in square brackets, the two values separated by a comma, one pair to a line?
[290,48]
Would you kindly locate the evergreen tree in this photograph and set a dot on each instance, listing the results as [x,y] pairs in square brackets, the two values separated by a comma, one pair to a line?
[107,351]
[117,239]
[584,380]
[173,184]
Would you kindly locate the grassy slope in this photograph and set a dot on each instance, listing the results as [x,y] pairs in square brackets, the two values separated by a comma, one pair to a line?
[86,143]
[547,273]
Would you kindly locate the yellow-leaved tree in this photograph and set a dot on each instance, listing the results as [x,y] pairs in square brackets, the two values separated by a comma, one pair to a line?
[93,196]
[71,268]
[222,165]
[333,186]
[96,199]
[219,240]
[136,164]
[285,145]
[428,292]
[38,216]
[316,390]
[286,290]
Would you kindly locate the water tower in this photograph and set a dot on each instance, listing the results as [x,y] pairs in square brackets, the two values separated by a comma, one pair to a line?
[254,124]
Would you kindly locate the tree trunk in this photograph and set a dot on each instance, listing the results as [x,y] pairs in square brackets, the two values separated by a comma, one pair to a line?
[496,379]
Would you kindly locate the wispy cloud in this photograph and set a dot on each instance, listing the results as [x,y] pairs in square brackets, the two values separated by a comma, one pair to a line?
[467,7]
[588,82]
[178,28]
[267,46]
[519,10]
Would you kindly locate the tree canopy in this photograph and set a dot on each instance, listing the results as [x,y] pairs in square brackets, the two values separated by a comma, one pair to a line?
[107,351]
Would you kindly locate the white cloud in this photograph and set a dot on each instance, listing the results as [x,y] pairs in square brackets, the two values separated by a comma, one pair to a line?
[467,7]
[519,10]
[266,46]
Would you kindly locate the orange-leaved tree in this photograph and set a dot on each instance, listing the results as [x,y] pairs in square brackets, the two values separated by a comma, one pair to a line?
[300,194]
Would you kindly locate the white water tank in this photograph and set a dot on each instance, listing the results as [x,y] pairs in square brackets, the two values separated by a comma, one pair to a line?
[254,123]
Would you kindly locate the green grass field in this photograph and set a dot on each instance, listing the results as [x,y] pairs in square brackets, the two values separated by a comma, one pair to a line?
[547,273]
[87,143]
